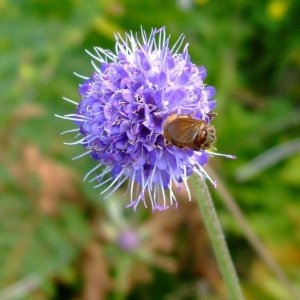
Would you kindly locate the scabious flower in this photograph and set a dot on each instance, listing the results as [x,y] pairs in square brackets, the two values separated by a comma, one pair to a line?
[123,106]
[128,240]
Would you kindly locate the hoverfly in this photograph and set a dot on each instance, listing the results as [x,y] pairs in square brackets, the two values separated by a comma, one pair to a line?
[184,131]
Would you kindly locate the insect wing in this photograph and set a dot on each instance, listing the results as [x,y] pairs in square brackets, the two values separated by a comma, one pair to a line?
[183,130]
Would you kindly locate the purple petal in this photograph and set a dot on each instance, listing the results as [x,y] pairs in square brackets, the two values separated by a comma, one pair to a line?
[202,72]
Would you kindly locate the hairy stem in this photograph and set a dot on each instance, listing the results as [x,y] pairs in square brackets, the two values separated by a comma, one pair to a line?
[250,235]
[217,238]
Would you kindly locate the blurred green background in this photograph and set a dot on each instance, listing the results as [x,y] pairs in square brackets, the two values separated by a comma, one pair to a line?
[60,240]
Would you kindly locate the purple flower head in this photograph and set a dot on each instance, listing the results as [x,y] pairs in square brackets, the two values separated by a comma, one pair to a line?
[128,240]
[123,106]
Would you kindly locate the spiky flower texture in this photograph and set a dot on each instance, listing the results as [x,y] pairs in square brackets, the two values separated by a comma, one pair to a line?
[123,106]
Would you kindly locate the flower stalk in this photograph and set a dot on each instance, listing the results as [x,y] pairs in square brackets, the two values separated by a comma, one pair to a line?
[217,238]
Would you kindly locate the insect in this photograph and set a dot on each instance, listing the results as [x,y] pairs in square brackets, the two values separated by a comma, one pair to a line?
[184,131]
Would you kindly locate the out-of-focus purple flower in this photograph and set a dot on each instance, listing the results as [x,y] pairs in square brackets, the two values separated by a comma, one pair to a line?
[123,106]
[128,240]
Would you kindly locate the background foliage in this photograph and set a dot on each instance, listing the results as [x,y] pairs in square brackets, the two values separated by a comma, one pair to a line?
[60,240]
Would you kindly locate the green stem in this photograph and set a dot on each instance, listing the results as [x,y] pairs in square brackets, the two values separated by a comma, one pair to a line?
[121,280]
[217,238]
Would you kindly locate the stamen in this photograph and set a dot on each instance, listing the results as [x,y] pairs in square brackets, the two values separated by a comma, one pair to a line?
[155,196]
[115,188]
[170,192]
[103,173]
[178,44]
[162,190]
[76,116]
[137,201]
[81,116]
[91,171]
[95,67]
[131,40]
[106,53]
[186,184]
[151,178]
[82,141]
[125,49]
[131,186]
[80,76]
[144,36]
[82,155]
[150,196]
[116,179]
[203,174]
[70,119]
[99,58]
[160,40]
[69,100]
[102,183]
[69,131]
[221,154]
